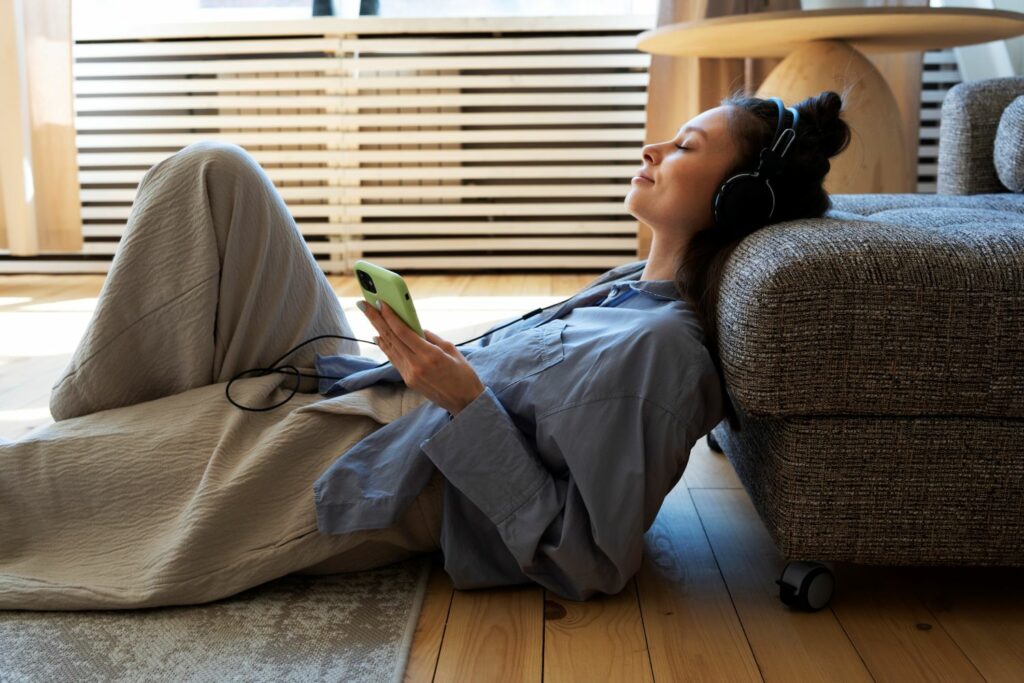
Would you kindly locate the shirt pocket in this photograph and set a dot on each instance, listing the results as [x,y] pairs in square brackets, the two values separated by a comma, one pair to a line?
[519,356]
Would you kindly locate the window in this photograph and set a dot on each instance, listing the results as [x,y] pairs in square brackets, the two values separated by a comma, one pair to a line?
[132,11]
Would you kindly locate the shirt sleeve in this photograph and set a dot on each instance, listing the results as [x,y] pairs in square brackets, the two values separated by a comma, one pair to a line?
[579,531]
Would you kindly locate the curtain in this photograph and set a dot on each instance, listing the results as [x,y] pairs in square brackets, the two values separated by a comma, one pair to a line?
[40,206]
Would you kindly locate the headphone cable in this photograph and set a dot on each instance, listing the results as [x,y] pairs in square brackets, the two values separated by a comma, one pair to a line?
[291,369]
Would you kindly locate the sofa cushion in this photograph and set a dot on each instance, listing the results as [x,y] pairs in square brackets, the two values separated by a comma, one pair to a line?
[912,308]
[866,205]
[968,122]
[1009,146]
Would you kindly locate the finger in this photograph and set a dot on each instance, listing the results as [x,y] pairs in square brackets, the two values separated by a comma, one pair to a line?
[403,334]
[384,343]
[380,326]
[397,361]
[387,349]
[373,315]
[385,329]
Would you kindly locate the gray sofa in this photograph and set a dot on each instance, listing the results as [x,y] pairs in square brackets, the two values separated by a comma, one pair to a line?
[876,360]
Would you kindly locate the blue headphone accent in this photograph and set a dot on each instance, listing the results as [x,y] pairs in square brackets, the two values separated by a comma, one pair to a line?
[747,199]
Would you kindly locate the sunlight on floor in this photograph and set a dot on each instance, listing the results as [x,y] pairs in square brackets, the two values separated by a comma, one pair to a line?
[35,414]
[40,334]
[66,305]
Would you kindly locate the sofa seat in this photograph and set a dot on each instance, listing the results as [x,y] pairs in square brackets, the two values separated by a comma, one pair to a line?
[892,304]
[883,490]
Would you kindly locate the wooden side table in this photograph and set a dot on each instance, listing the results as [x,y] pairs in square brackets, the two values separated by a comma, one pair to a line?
[824,50]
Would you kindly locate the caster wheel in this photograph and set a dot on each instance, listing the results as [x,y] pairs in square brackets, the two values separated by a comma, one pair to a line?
[713,443]
[807,586]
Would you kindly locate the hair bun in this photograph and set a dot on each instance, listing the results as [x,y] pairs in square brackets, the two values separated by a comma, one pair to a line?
[820,114]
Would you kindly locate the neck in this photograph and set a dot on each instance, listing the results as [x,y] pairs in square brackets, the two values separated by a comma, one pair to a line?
[662,260]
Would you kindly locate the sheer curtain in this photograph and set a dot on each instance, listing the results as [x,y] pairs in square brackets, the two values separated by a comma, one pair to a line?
[40,208]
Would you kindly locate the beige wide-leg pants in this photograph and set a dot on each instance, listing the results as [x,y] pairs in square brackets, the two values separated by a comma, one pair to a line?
[152,489]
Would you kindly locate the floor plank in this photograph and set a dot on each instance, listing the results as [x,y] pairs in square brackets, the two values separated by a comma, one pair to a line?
[493,635]
[601,639]
[692,629]
[894,631]
[708,469]
[981,608]
[788,645]
[426,641]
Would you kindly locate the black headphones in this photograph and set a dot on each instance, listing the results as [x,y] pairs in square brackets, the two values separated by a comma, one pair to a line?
[747,199]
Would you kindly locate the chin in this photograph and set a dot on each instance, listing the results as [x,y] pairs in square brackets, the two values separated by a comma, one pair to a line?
[632,210]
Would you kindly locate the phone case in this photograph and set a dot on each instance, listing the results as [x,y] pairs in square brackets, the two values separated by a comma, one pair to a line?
[380,284]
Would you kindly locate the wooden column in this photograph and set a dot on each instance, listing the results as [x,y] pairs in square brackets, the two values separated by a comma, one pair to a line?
[682,87]
[40,207]
[902,71]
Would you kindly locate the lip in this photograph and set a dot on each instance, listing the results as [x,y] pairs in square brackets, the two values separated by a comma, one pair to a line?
[643,178]
[640,174]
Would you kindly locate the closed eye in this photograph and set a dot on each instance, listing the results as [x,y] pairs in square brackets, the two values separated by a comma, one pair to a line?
[681,147]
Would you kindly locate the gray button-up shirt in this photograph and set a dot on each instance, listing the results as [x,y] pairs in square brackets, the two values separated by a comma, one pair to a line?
[557,469]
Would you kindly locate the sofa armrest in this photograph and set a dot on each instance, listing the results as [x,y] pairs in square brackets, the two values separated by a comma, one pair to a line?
[967,130]
[912,312]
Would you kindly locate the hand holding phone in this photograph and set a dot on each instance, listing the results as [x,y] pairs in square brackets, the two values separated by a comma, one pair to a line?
[380,284]
[428,364]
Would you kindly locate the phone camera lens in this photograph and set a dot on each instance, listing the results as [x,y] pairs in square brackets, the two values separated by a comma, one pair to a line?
[367,282]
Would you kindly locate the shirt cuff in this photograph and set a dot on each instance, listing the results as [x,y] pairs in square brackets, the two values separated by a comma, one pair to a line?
[483,454]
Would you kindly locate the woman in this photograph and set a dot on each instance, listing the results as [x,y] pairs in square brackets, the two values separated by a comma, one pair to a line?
[151,489]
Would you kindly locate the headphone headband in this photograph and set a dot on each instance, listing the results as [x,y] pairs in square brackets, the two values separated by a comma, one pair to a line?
[747,197]
[773,166]
[782,110]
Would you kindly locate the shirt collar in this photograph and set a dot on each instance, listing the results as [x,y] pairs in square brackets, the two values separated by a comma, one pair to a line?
[631,272]
[659,289]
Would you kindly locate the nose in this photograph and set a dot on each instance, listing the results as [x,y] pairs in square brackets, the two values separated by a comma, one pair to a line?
[648,153]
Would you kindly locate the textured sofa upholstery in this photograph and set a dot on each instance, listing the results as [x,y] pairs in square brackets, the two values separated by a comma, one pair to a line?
[875,357]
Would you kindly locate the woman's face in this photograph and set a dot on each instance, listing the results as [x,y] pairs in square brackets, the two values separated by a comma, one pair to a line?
[676,197]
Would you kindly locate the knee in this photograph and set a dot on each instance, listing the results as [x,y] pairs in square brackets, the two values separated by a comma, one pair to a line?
[220,153]
[223,163]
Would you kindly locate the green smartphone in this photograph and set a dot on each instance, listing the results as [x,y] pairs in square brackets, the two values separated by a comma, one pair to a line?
[380,284]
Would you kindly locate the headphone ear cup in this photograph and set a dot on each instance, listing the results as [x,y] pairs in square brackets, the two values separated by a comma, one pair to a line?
[743,199]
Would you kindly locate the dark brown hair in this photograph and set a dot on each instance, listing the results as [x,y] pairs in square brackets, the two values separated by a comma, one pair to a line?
[820,134]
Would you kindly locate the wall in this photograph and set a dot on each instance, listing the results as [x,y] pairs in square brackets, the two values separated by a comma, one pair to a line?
[1016,45]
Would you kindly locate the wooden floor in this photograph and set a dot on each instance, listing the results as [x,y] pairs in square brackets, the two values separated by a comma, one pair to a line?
[705,604]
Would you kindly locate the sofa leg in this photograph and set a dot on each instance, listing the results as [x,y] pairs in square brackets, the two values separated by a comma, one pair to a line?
[806,586]
[713,443]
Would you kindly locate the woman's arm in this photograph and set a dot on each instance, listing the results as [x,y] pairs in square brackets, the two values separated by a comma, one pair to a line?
[576,532]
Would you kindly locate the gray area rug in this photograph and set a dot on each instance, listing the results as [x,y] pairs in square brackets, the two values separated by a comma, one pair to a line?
[355,626]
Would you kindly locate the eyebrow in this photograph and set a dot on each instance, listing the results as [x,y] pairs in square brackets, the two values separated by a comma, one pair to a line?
[695,128]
